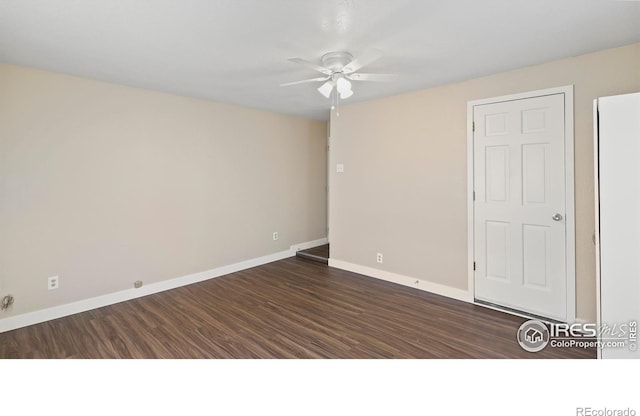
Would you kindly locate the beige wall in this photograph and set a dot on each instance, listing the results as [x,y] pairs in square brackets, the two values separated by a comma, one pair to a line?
[403,192]
[104,184]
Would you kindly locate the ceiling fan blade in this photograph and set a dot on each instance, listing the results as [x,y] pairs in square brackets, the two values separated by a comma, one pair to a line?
[305,81]
[372,77]
[364,59]
[311,65]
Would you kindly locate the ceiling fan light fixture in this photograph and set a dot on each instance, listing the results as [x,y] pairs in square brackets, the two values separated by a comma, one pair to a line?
[346,94]
[326,88]
[343,86]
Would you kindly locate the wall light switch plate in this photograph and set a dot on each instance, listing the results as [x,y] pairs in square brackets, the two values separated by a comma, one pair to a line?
[339,168]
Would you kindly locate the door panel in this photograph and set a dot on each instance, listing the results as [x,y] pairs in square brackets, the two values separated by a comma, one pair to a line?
[534,121]
[496,124]
[534,173]
[497,257]
[520,185]
[497,173]
[535,244]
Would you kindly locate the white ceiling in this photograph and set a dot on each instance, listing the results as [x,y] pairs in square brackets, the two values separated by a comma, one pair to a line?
[236,51]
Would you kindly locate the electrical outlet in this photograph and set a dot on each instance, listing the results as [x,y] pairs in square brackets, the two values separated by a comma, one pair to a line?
[53,282]
[339,168]
[137,284]
[275,236]
[379,258]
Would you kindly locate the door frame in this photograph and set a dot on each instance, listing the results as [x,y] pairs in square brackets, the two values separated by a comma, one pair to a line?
[570,236]
[328,179]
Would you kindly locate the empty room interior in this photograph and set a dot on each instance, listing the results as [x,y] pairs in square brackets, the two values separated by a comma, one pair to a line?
[313,179]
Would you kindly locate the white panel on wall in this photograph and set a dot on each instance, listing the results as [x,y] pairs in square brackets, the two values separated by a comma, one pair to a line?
[617,180]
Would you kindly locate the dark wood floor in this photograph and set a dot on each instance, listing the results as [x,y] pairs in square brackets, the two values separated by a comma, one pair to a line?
[286,309]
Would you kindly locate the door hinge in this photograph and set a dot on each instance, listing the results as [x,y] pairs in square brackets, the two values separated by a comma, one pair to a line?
[473,126]
[474,266]
[474,195]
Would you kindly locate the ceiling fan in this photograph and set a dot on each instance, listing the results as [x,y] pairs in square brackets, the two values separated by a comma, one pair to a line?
[339,69]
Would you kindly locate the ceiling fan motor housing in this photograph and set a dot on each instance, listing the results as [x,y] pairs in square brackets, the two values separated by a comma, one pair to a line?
[335,61]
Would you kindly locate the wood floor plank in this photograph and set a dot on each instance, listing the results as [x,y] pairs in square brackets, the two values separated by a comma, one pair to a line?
[287,309]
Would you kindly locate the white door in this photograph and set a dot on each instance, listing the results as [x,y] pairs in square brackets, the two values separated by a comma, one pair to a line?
[519,207]
[618,222]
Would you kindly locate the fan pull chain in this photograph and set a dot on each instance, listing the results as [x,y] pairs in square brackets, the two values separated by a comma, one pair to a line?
[336,102]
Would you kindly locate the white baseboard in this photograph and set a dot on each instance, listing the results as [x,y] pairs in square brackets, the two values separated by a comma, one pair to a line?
[43,315]
[438,289]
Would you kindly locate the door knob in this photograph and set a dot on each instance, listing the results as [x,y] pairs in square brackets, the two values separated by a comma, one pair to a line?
[556,217]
